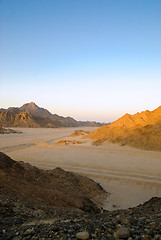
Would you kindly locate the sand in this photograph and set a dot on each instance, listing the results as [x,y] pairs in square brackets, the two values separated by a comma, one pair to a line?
[132,176]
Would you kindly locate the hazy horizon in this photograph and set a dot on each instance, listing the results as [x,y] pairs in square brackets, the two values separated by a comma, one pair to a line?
[103,121]
[90,60]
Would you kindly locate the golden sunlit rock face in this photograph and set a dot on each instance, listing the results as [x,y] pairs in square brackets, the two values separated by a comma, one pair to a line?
[79,133]
[142,130]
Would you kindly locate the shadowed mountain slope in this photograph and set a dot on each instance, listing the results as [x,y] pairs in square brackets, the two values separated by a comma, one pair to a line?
[55,188]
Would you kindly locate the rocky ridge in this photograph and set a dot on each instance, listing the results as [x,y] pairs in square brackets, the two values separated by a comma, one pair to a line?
[140,130]
[52,188]
[33,214]
[30,115]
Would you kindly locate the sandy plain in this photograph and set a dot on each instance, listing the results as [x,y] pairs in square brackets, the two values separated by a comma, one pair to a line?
[130,175]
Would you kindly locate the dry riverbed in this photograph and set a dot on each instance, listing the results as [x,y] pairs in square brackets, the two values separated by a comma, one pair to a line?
[132,176]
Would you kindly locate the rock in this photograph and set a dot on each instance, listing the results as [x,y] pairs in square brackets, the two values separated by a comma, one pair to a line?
[149,231]
[146,237]
[115,235]
[109,230]
[64,237]
[141,218]
[118,217]
[97,229]
[152,224]
[82,235]
[109,236]
[125,221]
[118,226]
[29,231]
[93,235]
[123,232]
[157,237]
[138,238]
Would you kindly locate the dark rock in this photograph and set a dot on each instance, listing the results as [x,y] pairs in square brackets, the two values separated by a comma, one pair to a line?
[123,233]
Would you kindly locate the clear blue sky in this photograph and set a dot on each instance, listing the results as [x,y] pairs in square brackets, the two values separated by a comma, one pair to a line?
[89,59]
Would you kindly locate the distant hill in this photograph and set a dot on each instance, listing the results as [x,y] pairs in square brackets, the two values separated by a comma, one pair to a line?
[140,130]
[30,115]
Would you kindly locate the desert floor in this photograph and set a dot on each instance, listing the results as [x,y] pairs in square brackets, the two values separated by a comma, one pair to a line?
[132,176]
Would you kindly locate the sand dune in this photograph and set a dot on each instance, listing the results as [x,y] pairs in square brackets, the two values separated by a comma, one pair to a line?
[131,175]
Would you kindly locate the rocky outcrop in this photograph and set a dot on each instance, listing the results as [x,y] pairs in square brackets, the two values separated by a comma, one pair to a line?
[140,130]
[8,131]
[79,133]
[54,188]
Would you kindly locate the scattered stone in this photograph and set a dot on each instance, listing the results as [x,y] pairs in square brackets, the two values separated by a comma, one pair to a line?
[20,221]
[118,226]
[126,221]
[82,235]
[29,231]
[149,231]
[93,235]
[115,235]
[158,237]
[146,237]
[123,232]
[109,236]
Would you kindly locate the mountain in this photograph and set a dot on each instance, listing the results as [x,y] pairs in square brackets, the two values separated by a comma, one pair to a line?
[2,110]
[54,188]
[33,109]
[140,130]
[30,115]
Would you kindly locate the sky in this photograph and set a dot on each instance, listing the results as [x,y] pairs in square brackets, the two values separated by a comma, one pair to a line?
[88,59]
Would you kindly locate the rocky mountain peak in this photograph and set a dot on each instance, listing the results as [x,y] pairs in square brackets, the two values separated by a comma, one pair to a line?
[31,115]
[31,105]
[34,109]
